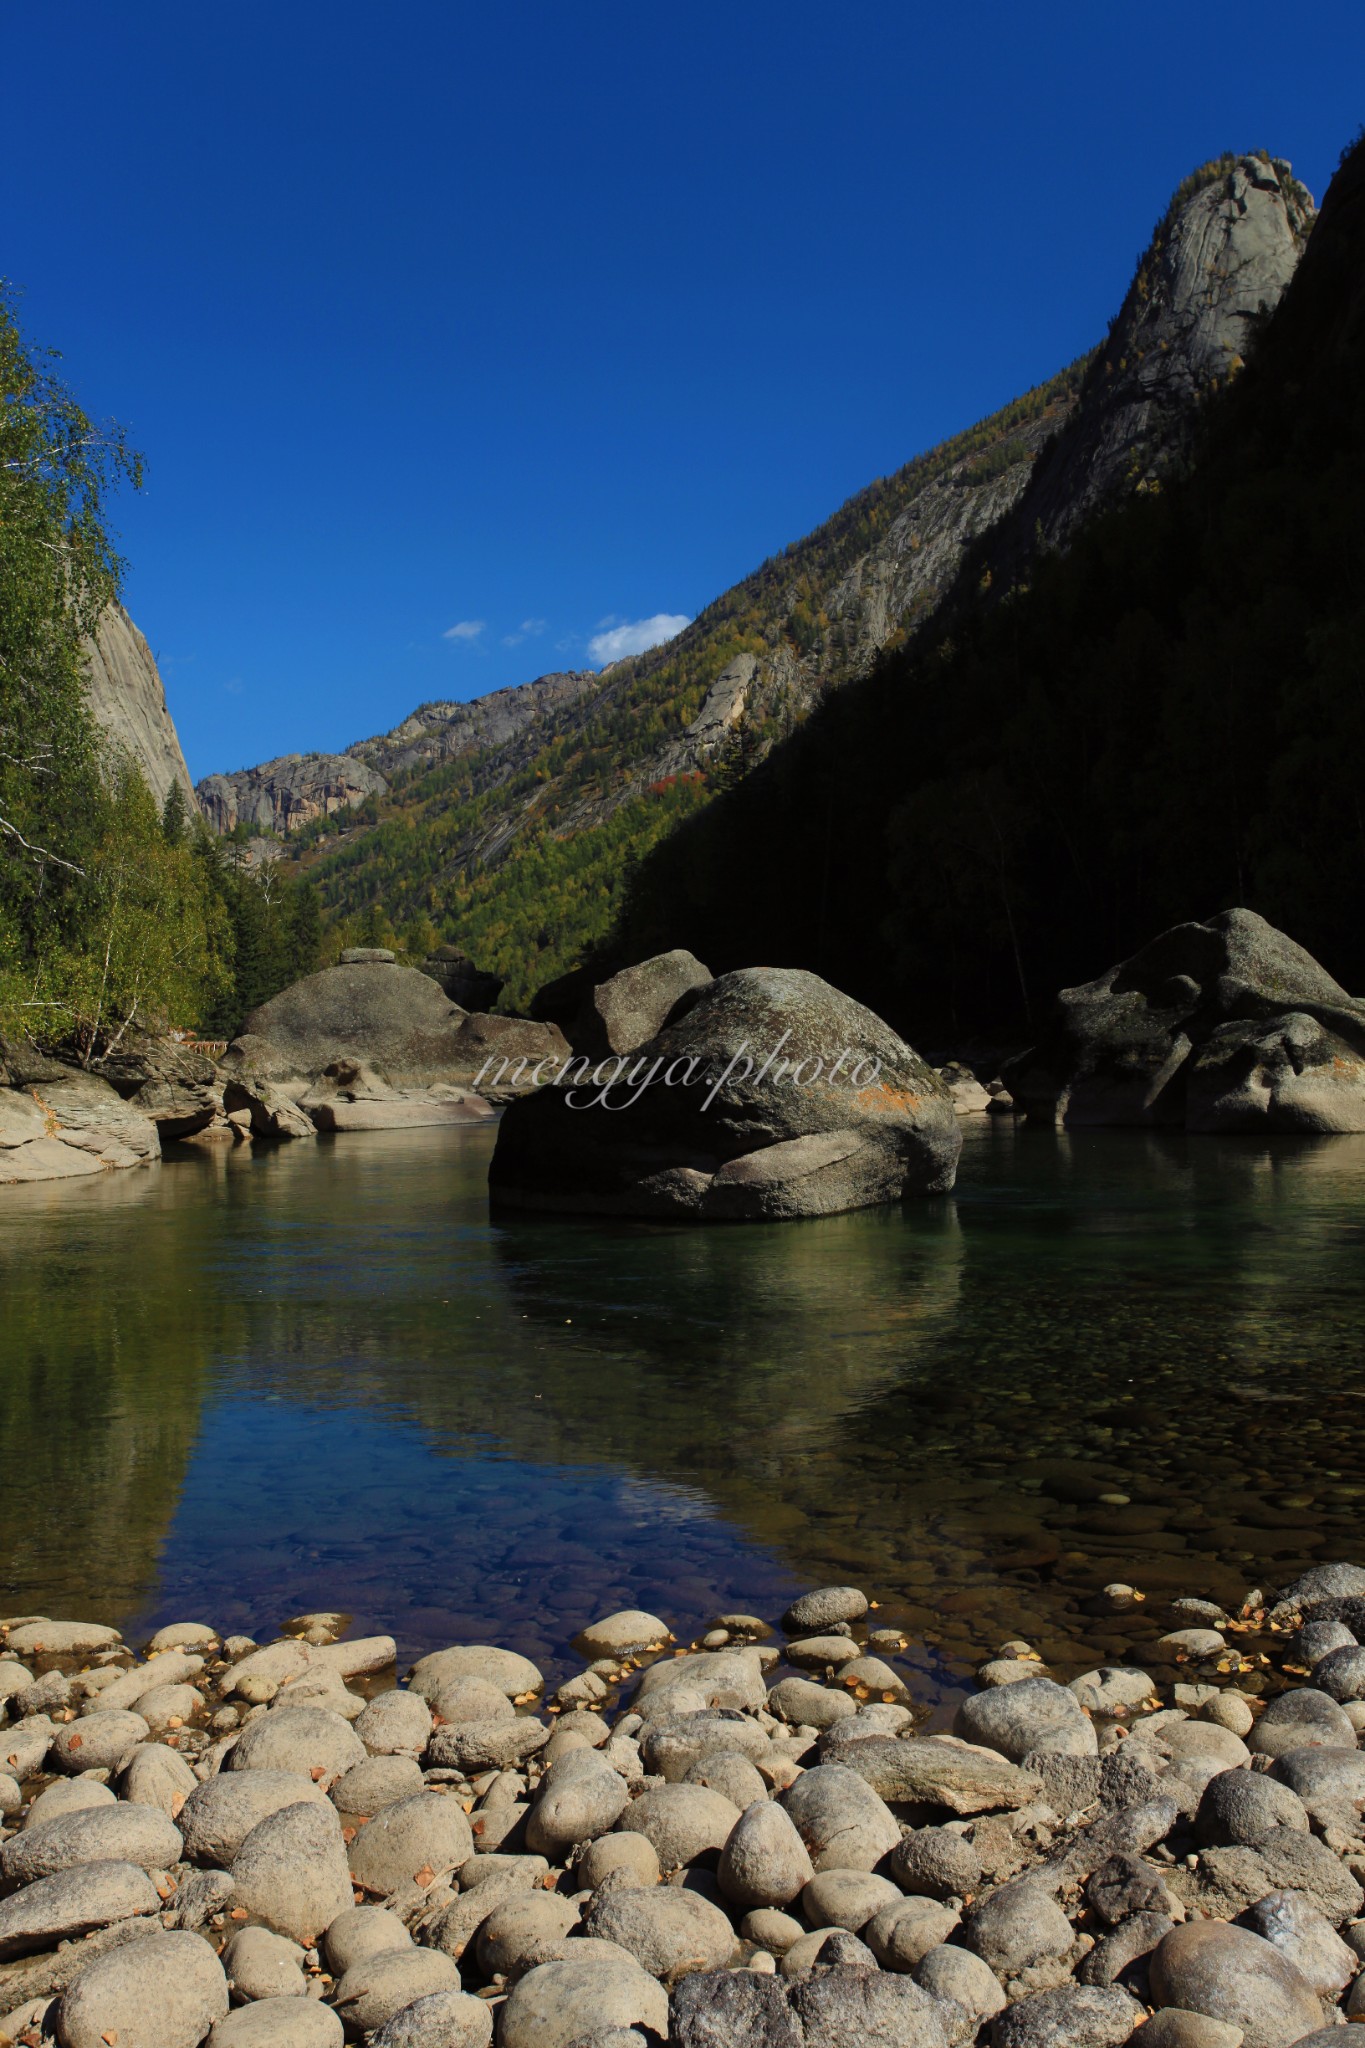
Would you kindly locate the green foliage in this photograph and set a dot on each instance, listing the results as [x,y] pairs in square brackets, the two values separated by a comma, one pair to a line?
[994,461]
[58,569]
[175,817]
[112,915]
[1169,721]
[141,942]
[274,926]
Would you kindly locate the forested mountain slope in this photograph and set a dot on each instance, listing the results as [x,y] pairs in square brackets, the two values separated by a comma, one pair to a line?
[510,824]
[1169,720]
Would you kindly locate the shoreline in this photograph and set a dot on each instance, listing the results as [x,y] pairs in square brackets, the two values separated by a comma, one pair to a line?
[706,1842]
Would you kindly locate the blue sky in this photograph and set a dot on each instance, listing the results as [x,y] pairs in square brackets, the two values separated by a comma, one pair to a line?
[461,340]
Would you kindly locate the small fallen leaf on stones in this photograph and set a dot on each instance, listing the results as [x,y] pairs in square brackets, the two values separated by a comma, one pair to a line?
[318,1773]
[76,1742]
[111,2037]
[423,1876]
[237,1913]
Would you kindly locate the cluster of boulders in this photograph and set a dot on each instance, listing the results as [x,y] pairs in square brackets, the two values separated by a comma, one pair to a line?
[747,1842]
[761,1094]
[59,1123]
[1223,1026]
[368,1045]
[352,1048]
[1227,1026]
[737,1103]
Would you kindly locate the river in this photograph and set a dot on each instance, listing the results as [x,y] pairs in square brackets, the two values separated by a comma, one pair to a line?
[246,1384]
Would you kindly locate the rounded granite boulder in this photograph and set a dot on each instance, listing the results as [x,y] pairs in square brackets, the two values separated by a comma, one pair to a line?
[767,1094]
[1233,1975]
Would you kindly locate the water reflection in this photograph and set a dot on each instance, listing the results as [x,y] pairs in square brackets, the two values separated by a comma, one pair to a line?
[242,1384]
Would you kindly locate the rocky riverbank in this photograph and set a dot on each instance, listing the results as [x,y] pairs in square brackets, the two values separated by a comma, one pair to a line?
[348,1049]
[748,1841]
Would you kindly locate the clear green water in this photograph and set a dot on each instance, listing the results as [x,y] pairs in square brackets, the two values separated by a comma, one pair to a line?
[244,1385]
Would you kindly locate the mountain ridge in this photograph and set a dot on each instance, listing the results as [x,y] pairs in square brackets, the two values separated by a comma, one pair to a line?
[518,843]
[1164,721]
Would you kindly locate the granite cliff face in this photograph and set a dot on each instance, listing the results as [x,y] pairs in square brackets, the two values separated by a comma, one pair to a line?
[281,795]
[1161,719]
[128,699]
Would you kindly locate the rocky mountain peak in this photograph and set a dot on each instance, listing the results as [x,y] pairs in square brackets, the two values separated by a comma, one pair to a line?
[1215,268]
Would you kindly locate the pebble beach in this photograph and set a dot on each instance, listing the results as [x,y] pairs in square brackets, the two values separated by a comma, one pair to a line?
[760,1836]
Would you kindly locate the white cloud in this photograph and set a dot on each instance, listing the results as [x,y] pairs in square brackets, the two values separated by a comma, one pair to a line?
[527,630]
[635,636]
[465,629]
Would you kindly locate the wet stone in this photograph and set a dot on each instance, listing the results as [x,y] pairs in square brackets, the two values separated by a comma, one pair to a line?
[821,1609]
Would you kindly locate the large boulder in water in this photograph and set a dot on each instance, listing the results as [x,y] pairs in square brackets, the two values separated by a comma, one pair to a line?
[767,1094]
[1223,1026]
[392,1021]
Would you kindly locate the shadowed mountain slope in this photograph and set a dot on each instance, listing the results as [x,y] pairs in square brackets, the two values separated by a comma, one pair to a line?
[1166,721]
[513,822]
